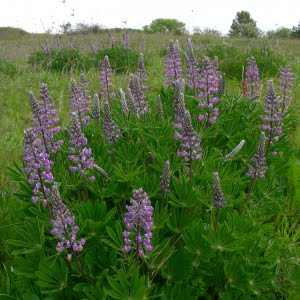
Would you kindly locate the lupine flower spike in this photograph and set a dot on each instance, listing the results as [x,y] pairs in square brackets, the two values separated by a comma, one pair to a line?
[38,166]
[96,109]
[218,197]
[192,69]
[209,88]
[286,77]
[138,98]
[259,167]
[190,144]
[105,80]
[173,69]
[138,222]
[44,121]
[179,116]
[271,118]
[79,103]
[252,84]
[165,181]
[126,42]
[235,151]
[63,226]
[81,156]
[111,130]
[142,73]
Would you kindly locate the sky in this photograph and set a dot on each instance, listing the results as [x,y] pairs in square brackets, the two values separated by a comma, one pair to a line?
[41,15]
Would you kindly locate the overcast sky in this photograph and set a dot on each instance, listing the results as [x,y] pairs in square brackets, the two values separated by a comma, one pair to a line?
[41,15]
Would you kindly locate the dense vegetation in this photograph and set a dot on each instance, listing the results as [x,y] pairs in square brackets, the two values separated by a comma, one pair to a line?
[223,225]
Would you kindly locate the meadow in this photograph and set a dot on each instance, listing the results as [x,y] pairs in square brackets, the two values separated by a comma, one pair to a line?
[214,224]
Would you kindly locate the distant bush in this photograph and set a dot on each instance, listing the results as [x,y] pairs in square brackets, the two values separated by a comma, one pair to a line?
[8,68]
[62,60]
[121,60]
[232,60]
[65,59]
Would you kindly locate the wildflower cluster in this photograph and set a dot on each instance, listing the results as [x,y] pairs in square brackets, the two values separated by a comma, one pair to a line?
[173,69]
[252,79]
[286,77]
[105,80]
[209,86]
[138,221]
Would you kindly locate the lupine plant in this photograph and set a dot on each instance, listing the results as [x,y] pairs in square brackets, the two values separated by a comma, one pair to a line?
[96,109]
[173,69]
[106,73]
[252,81]
[209,87]
[142,72]
[192,67]
[286,77]
[138,223]
[81,156]
[271,118]
[79,103]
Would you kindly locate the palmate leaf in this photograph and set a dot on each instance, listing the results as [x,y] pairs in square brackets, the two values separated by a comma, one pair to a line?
[177,292]
[93,292]
[127,285]
[53,276]
[116,238]
[30,237]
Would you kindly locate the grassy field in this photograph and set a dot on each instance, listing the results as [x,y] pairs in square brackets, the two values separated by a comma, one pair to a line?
[267,228]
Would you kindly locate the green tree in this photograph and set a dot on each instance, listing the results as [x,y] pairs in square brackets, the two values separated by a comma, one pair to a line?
[282,32]
[244,26]
[296,31]
[166,26]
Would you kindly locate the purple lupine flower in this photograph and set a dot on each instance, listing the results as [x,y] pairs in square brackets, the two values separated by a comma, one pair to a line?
[126,42]
[173,69]
[111,130]
[286,77]
[38,166]
[209,87]
[138,98]
[105,80]
[190,144]
[79,103]
[138,222]
[259,161]
[218,197]
[64,227]
[159,108]
[192,69]
[252,79]
[81,156]
[165,179]
[96,109]
[271,118]
[141,72]
[84,86]
[179,116]
[44,121]
[123,102]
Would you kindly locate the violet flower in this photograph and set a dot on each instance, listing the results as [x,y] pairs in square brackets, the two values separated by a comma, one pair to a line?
[38,166]
[79,103]
[271,118]
[218,197]
[209,87]
[286,77]
[138,221]
[63,226]
[126,42]
[192,69]
[173,69]
[123,102]
[105,80]
[259,167]
[44,121]
[142,73]
[111,130]
[252,79]
[96,109]
[179,116]
[138,99]
[81,156]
